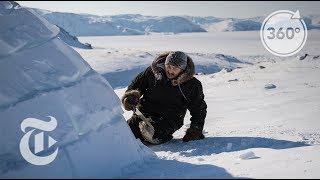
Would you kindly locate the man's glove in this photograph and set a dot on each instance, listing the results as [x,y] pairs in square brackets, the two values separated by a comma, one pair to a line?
[193,134]
[130,99]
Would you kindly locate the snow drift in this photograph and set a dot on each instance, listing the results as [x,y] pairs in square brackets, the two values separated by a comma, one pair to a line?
[41,76]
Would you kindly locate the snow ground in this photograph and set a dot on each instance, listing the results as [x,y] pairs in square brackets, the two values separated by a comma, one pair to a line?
[251,131]
[261,123]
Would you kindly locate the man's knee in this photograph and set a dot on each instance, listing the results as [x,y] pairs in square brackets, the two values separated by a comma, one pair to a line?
[133,123]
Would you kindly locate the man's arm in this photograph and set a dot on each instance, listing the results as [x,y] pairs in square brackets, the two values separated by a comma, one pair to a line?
[134,91]
[198,111]
[197,107]
[140,82]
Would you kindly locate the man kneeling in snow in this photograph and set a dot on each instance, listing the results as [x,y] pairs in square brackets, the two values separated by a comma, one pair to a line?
[168,89]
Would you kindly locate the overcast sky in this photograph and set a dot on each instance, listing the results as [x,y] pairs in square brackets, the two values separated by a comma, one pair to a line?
[166,8]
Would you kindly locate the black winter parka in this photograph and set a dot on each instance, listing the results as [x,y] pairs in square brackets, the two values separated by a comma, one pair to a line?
[168,100]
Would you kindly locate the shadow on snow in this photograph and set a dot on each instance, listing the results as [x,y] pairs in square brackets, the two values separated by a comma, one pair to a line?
[216,145]
[159,168]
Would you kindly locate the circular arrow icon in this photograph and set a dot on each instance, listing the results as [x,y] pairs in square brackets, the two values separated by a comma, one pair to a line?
[283,33]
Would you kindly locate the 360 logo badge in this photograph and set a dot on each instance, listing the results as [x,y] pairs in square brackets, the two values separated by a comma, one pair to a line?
[26,153]
[283,33]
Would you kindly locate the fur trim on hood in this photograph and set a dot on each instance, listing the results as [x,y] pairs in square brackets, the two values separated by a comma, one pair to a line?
[185,76]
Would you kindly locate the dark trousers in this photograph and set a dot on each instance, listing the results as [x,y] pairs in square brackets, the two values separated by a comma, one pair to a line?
[162,132]
[133,123]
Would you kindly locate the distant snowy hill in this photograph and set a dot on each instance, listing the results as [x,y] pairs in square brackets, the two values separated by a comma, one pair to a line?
[203,20]
[72,40]
[213,24]
[92,25]
[136,24]
[234,25]
[313,21]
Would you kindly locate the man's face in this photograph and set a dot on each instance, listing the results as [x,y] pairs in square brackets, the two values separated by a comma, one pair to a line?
[172,71]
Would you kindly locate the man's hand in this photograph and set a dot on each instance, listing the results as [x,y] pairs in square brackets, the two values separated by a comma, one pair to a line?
[130,99]
[130,102]
[193,134]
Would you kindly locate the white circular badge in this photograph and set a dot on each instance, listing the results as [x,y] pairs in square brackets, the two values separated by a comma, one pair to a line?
[283,33]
